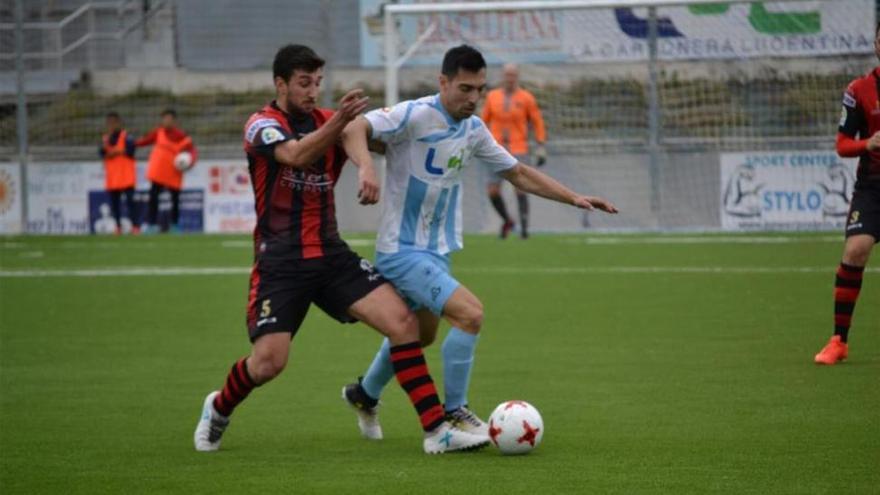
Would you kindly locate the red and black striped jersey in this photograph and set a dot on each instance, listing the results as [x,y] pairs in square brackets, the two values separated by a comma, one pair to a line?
[861,117]
[296,213]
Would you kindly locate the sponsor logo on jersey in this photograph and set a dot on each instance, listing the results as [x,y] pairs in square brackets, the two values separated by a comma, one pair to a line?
[267,321]
[849,100]
[258,124]
[271,135]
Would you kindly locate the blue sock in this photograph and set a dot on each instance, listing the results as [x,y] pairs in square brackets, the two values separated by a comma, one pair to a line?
[458,360]
[380,372]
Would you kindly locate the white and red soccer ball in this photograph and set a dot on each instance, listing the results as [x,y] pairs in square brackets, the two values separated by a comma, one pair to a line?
[183,161]
[516,427]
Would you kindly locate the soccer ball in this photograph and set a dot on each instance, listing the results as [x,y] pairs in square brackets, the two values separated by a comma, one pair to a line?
[516,427]
[183,161]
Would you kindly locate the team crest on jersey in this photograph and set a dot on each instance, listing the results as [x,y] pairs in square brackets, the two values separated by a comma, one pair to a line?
[849,100]
[271,135]
[258,124]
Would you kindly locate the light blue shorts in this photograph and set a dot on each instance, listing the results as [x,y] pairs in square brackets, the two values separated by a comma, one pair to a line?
[421,277]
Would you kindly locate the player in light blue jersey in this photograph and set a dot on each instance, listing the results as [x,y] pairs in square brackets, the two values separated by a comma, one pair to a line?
[428,142]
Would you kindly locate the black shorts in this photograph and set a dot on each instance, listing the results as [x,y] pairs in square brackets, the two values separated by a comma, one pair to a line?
[864,213]
[281,291]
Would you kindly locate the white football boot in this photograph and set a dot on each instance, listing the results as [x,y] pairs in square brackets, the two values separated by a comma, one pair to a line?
[447,438]
[366,409]
[211,426]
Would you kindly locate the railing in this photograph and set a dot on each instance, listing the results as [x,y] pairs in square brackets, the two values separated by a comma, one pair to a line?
[55,31]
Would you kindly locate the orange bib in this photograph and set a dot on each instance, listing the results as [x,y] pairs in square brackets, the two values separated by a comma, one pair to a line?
[119,170]
[160,168]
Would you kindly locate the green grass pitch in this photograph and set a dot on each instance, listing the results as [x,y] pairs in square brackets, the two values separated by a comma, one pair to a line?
[661,364]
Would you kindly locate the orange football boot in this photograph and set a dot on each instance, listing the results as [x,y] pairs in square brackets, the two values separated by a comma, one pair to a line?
[834,351]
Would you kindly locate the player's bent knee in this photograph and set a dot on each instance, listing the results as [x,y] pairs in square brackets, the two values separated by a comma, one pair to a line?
[404,328]
[266,368]
[473,320]
[857,252]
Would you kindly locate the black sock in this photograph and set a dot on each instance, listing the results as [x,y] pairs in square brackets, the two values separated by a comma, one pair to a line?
[847,286]
[498,203]
[522,201]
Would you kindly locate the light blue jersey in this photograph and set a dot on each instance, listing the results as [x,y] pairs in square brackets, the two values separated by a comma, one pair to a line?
[426,152]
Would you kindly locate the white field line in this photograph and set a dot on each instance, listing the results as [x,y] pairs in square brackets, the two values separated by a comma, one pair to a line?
[243,243]
[139,271]
[92,246]
[177,271]
[237,243]
[706,240]
[593,240]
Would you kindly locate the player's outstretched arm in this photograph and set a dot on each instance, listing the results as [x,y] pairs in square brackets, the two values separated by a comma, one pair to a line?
[302,153]
[355,141]
[532,181]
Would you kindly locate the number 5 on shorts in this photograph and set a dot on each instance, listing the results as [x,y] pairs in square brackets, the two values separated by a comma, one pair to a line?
[267,309]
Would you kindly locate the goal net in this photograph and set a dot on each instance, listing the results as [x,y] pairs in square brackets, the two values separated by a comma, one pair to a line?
[690,115]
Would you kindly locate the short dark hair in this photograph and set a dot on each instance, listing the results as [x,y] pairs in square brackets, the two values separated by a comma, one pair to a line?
[295,57]
[113,115]
[462,57]
[168,111]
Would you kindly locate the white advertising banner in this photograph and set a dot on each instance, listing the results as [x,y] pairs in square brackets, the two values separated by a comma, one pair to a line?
[58,196]
[10,198]
[715,31]
[229,198]
[787,190]
[69,198]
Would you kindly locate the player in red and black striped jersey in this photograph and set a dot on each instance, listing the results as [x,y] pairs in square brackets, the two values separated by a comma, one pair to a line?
[857,136]
[299,258]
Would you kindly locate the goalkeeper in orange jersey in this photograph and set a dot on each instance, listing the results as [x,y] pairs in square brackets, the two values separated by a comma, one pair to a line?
[507,112]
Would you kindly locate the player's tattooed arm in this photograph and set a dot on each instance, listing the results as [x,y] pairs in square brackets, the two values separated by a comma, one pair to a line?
[532,181]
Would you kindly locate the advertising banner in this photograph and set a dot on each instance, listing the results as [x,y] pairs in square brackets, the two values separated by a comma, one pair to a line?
[10,198]
[69,198]
[715,31]
[229,199]
[787,190]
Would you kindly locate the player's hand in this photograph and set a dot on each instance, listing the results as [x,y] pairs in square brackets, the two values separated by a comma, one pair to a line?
[540,155]
[368,185]
[352,104]
[595,202]
[874,142]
